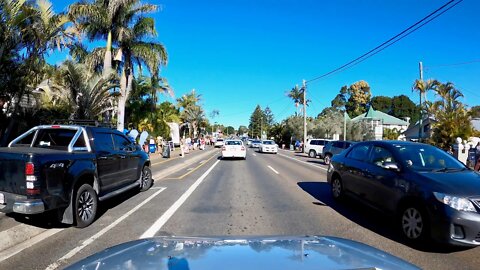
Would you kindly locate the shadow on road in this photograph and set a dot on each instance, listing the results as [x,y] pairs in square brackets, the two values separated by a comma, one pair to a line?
[50,220]
[317,162]
[367,217]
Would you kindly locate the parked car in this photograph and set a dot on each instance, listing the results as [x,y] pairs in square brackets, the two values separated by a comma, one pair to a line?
[334,147]
[255,144]
[430,193]
[314,147]
[69,169]
[219,142]
[268,146]
[234,149]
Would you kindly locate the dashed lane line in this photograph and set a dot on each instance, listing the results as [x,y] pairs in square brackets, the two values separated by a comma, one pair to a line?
[90,240]
[273,169]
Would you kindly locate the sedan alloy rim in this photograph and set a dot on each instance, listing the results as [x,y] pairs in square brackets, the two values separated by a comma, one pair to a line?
[85,206]
[336,188]
[412,223]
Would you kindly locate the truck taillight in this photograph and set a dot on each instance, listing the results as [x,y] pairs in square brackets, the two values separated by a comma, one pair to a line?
[29,168]
[30,179]
[224,148]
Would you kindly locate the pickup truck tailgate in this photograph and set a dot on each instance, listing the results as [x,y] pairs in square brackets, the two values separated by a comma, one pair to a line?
[12,173]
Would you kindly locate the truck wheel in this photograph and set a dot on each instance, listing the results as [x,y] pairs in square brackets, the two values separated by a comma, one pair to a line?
[86,203]
[146,181]
[312,153]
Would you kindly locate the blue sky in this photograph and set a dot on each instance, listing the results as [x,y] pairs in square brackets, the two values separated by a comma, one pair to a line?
[240,53]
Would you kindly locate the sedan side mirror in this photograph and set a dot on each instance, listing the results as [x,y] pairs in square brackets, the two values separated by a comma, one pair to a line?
[392,166]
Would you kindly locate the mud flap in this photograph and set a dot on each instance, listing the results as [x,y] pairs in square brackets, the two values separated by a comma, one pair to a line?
[67,217]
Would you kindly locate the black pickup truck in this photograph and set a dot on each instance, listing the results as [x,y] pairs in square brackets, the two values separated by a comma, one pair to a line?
[68,169]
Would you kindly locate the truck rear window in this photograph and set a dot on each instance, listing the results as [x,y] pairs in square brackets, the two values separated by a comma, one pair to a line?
[54,138]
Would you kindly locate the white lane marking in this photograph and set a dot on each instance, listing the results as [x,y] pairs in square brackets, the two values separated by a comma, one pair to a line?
[90,240]
[27,244]
[273,169]
[254,154]
[189,169]
[171,211]
[303,162]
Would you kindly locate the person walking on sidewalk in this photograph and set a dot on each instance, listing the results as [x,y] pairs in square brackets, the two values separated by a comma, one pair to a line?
[182,146]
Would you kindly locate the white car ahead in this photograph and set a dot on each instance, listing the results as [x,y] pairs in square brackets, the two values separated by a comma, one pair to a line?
[268,146]
[234,149]
[219,142]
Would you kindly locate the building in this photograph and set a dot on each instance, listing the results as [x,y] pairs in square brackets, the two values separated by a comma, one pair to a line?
[411,134]
[376,121]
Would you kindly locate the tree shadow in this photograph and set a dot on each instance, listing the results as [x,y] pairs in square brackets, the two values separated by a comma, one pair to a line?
[369,218]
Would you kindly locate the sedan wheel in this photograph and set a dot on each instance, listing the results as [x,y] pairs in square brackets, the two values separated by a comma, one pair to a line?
[337,188]
[413,223]
[86,202]
[327,159]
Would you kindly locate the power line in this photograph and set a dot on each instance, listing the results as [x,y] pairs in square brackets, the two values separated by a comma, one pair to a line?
[455,64]
[386,44]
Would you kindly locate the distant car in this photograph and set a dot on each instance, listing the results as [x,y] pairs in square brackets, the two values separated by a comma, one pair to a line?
[234,149]
[219,142]
[268,146]
[333,148]
[430,193]
[314,147]
[255,144]
[249,142]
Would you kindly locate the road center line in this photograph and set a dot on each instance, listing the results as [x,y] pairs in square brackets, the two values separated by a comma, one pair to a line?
[273,169]
[90,240]
[301,161]
[171,211]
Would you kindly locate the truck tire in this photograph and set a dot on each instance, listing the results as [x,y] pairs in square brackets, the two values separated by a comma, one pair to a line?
[86,204]
[327,159]
[146,180]
[312,154]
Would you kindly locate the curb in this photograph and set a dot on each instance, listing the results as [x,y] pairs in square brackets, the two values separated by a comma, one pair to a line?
[166,172]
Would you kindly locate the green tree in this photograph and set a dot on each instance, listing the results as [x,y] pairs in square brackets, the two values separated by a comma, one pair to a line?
[475,111]
[194,116]
[87,94]
[340,100]
[122,23]
[242,130]
[403,107]
[358,98]
[382,103]
[390,134]
[257,122]
[453,119]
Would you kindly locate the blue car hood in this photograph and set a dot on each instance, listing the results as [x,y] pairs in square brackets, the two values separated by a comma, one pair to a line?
[465,183]
[180,253]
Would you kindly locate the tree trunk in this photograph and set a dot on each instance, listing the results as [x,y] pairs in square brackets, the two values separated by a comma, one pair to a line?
[121,102]
[107,60]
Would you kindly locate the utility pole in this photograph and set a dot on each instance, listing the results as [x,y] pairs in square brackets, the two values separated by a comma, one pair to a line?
[420,122]
[261,127]
[304,87]
[345,125]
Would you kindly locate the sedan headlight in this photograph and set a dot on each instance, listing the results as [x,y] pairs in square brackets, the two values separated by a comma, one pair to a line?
[458,203]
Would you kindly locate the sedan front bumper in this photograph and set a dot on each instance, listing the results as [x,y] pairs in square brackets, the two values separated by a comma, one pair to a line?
[455,227]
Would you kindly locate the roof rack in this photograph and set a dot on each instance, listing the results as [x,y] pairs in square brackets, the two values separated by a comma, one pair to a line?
[92,123]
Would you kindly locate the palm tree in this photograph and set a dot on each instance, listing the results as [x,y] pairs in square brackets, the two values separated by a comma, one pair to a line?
[88,94]
[122,23]
[194,115]
[296,94]
[423,87]
[188,100]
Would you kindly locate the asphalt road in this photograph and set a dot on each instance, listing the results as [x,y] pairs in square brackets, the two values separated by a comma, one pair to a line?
[284,194]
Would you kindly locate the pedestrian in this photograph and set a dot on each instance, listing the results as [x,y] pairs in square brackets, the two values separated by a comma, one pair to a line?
[182,146]
[477,157]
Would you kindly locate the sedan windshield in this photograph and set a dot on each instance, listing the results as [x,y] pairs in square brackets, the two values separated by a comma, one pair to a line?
[427,158]
[268,142]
